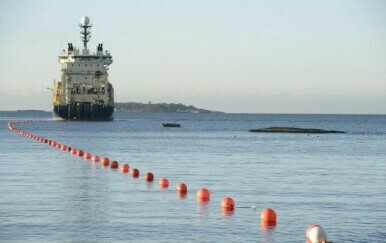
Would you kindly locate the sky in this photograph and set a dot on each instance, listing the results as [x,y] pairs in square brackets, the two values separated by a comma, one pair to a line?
[261,56]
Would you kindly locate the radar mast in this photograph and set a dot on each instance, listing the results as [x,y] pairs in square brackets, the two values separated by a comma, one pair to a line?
[85,32]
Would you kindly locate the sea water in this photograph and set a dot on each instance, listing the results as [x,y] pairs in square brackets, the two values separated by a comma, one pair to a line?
[335,180]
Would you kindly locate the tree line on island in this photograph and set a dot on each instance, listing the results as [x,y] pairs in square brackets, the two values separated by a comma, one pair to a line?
[157,107]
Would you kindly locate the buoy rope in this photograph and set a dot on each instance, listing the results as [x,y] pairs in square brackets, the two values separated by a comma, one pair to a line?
[268,216]
[125,168]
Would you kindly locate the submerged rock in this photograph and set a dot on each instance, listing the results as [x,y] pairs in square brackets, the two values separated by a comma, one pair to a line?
[293,130]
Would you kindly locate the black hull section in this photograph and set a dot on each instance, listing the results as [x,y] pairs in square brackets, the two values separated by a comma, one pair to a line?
[84,112]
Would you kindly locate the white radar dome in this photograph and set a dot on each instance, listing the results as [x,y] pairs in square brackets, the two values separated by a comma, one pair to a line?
[84,20]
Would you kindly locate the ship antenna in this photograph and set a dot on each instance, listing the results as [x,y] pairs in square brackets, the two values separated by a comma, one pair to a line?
[85,33]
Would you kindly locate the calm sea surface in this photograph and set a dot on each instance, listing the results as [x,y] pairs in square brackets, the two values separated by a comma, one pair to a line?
[335,180]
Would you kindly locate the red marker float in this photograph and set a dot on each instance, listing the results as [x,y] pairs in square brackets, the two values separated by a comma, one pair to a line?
[114,165]
[163,183]
[182,188]
[203,195]
[87,156]
[268,215]
[80,153]
[74,151]
[105,161]
[149,177]
[228,203]
[95,159]
[125,168]
[134,173]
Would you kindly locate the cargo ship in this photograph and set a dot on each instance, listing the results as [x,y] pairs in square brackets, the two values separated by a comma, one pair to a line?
[84,91]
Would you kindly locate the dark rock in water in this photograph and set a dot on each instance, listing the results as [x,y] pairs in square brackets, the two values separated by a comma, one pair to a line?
[293,130]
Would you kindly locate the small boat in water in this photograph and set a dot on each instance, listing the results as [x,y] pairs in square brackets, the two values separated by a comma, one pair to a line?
[171,125]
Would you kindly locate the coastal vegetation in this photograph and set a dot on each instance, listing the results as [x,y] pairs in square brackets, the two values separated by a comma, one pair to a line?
[157,107]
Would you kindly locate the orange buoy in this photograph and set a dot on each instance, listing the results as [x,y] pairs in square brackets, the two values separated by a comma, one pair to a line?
[64,147]
[182,188]
[134,173]
[58,146]
[114,165]
[74,151]
[228,203]
[45,141]
[80,153]
[149,177]
[203,194]
[163,183]
[268,215]
[105,161]
[87,156]
[95,159]
[125,168]
[316,234]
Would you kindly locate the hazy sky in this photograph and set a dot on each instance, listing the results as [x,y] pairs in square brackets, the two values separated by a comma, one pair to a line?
[299,56]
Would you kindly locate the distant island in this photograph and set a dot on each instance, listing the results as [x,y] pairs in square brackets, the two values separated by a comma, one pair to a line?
[31,111]
[159,107]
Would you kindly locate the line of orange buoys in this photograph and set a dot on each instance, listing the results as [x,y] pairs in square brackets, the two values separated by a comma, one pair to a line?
[314,233]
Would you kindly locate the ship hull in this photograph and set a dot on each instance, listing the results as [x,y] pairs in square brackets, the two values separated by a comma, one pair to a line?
[83,112]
